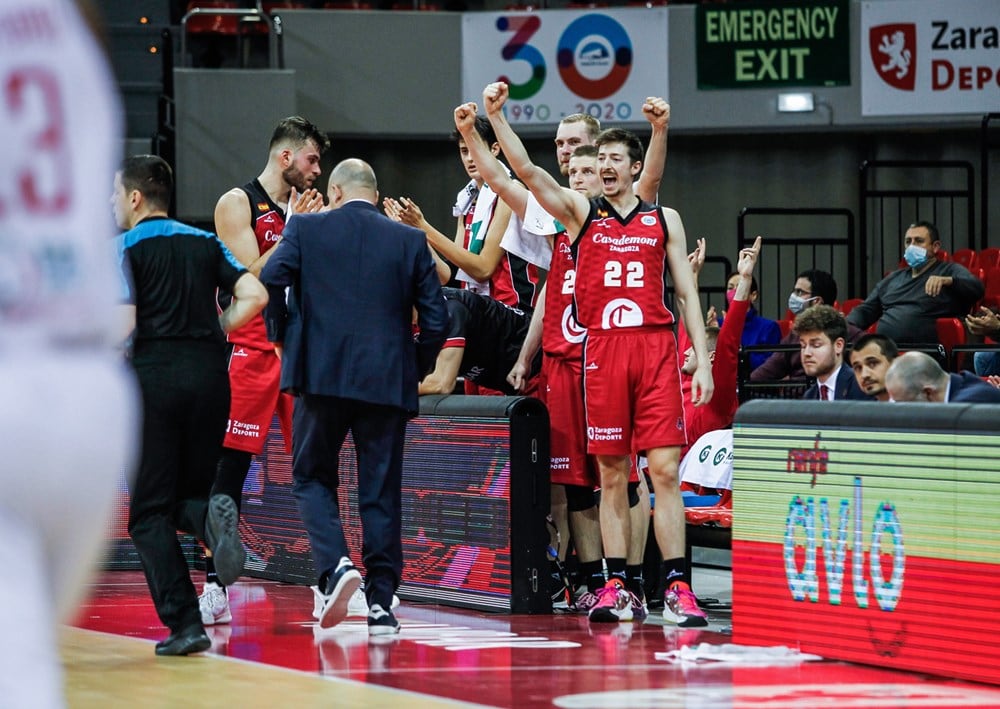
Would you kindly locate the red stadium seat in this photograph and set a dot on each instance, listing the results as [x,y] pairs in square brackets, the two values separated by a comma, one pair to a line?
[966,258]
[951,332]
[347,5]
[943,255]
[848,305]
[786,327]
[206,23]
[988,258]
[991,279]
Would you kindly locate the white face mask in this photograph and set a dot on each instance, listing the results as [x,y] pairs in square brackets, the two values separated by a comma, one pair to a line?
[797,303]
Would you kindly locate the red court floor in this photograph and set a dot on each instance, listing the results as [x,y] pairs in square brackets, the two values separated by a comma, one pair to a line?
[516,660]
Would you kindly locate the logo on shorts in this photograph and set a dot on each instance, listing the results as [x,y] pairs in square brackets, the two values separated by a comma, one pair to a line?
[239,352]
[604,433]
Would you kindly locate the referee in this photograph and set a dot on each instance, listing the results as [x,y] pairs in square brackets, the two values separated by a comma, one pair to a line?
[172,272]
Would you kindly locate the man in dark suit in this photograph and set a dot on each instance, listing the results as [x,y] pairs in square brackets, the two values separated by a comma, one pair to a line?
[349,353]
[822,332]
[916,376]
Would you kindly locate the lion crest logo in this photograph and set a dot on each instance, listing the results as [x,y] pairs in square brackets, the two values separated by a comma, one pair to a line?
[894,54]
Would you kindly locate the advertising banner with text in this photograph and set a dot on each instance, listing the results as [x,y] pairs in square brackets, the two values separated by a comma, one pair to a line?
[921,57]
[847,537]
[755,45]
[559,62]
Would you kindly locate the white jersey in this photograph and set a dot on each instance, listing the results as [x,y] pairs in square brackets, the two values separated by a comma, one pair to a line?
[709,462]
[58,279]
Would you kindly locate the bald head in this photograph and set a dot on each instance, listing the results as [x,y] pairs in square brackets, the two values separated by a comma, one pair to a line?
[352,179]
[916,376]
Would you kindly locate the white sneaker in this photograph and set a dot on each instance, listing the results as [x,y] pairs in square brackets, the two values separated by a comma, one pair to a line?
[214,605]
[357,607]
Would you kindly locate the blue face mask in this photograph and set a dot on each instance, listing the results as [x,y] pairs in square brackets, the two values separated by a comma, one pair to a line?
[797,303]
[915,256]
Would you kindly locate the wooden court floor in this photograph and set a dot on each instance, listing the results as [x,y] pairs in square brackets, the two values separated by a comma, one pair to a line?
[273,655]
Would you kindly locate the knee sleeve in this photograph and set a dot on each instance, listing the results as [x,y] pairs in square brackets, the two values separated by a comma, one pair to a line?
[633,494]
[579,498]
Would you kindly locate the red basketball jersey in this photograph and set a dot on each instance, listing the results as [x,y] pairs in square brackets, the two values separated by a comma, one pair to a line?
[621,264]
[268,223]
[562,335]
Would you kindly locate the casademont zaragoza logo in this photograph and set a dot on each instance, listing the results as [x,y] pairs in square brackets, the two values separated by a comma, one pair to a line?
[894,54]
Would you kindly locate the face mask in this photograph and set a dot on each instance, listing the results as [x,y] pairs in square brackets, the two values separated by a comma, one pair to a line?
[730,294]
[915,256]
[797,303]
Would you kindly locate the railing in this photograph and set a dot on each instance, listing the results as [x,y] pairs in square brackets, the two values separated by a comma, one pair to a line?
[987,142]
[821,249]
[254,15]
[886,213]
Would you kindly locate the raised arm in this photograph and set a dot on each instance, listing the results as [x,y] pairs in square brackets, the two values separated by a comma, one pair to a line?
[702,385]
[657,112]
[492,170]
[567,206]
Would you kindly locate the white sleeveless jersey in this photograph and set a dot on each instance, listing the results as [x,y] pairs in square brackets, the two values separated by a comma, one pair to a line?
[60,118]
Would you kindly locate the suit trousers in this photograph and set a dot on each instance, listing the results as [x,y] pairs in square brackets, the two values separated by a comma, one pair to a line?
[320,425]
[185,396]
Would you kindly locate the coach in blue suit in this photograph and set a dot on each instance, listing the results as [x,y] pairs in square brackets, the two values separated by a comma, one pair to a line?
[354,278]
[916,376]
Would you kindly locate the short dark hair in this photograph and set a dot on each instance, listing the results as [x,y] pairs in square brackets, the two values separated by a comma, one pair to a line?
[821,318]
[619,135]
[585,151]
[885,343]
[822,284]
[298,131]
[929,226]
[151,176]
[485,130]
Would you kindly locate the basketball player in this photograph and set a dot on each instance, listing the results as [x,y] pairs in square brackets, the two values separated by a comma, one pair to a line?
[68,427]
[623,249]
[249,220]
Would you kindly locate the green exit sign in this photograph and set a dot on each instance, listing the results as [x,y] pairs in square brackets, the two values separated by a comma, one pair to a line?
[752,45]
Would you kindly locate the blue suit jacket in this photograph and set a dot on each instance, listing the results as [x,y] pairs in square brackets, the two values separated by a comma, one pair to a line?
[354,277]
[846,387]
[967,387]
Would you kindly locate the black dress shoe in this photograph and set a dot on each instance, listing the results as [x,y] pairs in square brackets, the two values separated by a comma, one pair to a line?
[184,642]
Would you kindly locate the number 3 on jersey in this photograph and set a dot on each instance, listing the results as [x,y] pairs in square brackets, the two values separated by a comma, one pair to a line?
[632,271]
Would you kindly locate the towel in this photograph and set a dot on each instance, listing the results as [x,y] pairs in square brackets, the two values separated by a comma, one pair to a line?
[481,200]
[527,240]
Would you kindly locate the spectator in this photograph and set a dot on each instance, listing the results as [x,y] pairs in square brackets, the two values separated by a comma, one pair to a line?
[757,330]
[870,358]
[908,302]
[985,324]
[916,376]
[723,348]
[812,287]
[822,333]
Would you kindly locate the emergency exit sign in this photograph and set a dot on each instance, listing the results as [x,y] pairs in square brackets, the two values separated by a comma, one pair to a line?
[752,45]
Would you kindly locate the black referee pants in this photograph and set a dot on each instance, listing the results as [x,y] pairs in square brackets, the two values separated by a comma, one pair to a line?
[185,396]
